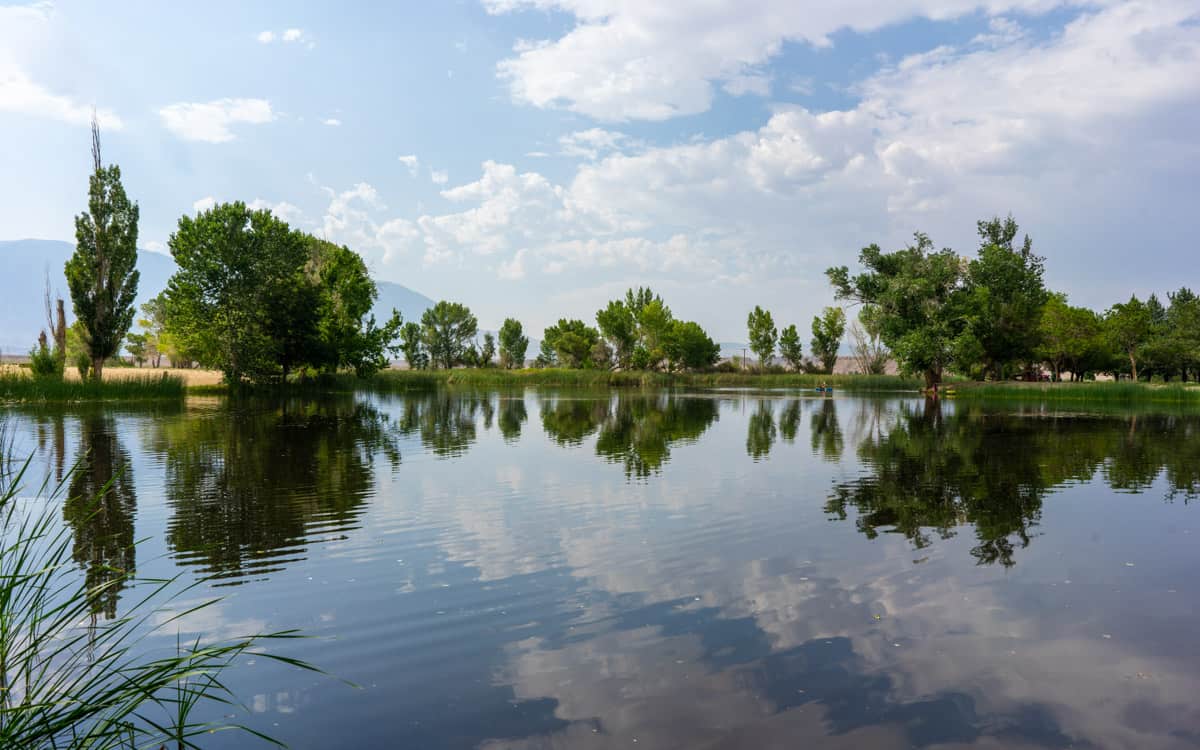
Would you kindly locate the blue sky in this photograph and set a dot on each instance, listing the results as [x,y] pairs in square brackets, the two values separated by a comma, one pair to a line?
[535,157]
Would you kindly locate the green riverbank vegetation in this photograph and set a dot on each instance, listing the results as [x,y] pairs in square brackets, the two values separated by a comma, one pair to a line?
[264,303]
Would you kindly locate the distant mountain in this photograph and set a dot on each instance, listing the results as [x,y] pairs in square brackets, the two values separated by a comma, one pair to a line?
[25,263]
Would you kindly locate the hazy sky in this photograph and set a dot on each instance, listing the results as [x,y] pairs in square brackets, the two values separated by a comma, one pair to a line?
[535,157]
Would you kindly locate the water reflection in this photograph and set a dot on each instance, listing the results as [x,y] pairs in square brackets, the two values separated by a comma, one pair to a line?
[760,430]
[936,468]
[640,430]
[100,508]
[445,422]
[250,485]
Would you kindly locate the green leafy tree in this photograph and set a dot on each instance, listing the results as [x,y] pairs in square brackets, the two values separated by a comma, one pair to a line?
[1003,299]
[690,348]
[239,297]
[347,335]
[137,346]
[868,349]
[513,344]
[761,329]
[916,291]
[790,347]
[570,343]
[447,329]
[1129,326]
[655,325]
[1183,322]
[413,345]
[619,325]
[102,274]
[827,330]
[487,352]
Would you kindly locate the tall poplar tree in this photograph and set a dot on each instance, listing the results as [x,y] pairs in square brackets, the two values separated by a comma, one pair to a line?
[102,274]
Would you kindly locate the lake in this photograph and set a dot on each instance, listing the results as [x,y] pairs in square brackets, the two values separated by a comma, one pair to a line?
[550,569]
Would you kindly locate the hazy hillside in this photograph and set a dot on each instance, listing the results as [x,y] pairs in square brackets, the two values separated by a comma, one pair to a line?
[25,263]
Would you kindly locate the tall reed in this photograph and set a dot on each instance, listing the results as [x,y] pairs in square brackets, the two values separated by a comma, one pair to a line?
[69,681]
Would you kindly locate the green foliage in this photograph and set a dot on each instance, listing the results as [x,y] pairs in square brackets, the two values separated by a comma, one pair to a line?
[1129,326]
[412,344]
[1003,298]
[45,362]
[619,325]
[447,330]
[1070,338]
[137,346]
[19,388]
[790,347]
[868,349]
[513,344]
[487,352]
[571,344]
[237,301]
[827,331]
[101,274]
[915,291]
[690,348]
[258,300]
[761,329]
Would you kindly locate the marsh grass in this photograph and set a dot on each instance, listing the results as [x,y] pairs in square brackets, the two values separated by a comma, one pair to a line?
[70,680]
[1082,393]
[23,388]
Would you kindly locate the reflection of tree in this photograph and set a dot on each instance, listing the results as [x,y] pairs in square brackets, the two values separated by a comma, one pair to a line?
[933,472]
[826,432]
[789,420]
[569,420]
[246,485]
[641,430]
[445,420]
[760,431]
[100,511]
[512,415]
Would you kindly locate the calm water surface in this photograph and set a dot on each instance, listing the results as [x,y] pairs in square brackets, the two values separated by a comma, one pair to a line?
[729,570]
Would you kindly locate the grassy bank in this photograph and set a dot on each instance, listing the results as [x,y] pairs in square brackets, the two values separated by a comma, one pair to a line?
[558,378]
[1082,393]
[21,388]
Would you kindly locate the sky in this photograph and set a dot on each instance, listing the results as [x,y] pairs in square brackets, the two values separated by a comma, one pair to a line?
[534,158]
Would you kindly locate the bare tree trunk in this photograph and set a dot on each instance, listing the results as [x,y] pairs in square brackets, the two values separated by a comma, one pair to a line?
[1133,366]
[97,368]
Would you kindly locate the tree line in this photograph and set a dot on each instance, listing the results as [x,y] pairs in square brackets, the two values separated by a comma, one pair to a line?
[262,301]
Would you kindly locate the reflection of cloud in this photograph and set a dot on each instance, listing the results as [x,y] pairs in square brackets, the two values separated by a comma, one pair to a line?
[209,623]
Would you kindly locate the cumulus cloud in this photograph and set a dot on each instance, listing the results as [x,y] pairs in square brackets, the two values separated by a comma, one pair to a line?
[210,122]
[281,209]
[658,59]
[439,176]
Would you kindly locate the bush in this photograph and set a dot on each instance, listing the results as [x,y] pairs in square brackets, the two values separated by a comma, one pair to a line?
[83,363]
[44,362]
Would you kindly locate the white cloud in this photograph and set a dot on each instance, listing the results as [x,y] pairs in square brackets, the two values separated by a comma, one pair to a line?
[439,176]
[656,59]
[748,83]
[23,37]
[332,122]
[210,122]
[287,36]
[281,209]
[203,204]
[591,143]
[412,162]
[155,246]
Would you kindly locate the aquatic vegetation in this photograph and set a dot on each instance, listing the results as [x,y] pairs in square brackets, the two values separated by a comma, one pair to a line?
[21,388]
[73,674]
